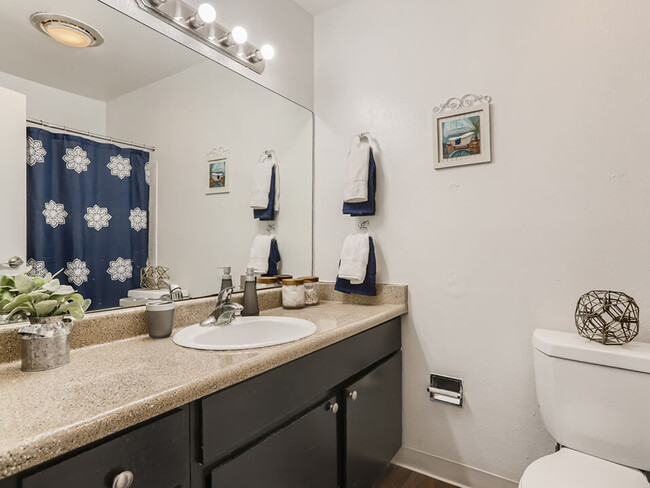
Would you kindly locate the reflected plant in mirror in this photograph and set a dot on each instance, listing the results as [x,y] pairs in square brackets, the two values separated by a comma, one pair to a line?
[113,167]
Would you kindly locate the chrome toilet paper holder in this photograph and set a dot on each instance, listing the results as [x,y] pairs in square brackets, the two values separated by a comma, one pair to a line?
[446,389]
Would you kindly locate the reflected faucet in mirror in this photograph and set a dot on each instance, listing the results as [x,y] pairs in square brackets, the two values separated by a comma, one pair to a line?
[13,262]
[225,311]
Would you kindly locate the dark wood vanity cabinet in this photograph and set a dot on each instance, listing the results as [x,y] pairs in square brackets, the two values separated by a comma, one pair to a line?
[156,455]
[332,419]
[373,422]
[302,454]
[329,419]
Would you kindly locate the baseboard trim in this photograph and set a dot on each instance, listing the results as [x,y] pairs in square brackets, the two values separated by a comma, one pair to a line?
[449,471]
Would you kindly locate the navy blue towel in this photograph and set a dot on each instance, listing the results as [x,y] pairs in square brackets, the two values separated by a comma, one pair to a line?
[274,259]
[369,285]
[367,207]
[269,212]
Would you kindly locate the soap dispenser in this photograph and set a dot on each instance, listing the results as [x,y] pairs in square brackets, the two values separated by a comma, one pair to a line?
[226,278]
[251,307]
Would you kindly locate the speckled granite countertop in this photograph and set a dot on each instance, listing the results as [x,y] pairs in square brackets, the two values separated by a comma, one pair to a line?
[111,386]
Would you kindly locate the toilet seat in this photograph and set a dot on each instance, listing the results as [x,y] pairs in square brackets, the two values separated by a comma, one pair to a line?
[572,469]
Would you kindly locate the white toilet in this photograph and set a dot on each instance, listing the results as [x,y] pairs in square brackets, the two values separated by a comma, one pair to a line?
[595,402]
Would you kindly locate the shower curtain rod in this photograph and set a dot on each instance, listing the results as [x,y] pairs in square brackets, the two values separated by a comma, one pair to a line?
[86,133]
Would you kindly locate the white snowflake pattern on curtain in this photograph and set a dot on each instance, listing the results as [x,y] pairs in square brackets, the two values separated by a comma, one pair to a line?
[54,213]
[147,172]
[97,217]
[77,272]
[120,270]
[138,219]
[38,268]
[76,159]
[120,167]
[35,151]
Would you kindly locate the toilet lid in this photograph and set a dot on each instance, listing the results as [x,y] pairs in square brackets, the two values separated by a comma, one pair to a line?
[572,469]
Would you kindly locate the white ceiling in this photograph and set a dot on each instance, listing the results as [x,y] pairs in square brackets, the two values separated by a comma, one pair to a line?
[316,7]
[132,55]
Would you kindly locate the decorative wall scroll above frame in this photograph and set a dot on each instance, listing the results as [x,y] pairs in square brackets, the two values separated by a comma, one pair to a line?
[218,180]
[462,131]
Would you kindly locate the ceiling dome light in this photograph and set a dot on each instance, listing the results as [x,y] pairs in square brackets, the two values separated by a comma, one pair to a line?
[239,34]
[66,30]
[267,51]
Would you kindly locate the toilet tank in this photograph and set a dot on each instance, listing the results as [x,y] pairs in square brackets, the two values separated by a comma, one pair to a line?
[595,398]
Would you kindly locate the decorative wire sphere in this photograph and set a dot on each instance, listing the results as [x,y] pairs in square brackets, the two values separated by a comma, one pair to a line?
[152,277]
[608,317]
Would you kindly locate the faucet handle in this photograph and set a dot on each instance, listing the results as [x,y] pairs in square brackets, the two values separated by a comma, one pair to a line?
[224,295]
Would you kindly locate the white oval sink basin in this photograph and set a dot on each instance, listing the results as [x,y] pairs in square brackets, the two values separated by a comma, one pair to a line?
[245,333]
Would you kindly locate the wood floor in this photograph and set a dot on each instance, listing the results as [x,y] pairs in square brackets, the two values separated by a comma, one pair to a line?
[398,477]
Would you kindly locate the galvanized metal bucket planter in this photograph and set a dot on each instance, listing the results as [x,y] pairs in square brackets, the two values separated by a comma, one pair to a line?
[45,343]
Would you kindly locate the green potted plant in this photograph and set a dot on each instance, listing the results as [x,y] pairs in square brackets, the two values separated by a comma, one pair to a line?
[45,302]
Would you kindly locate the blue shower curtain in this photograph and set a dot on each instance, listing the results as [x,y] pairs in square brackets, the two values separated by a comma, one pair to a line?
[87,213]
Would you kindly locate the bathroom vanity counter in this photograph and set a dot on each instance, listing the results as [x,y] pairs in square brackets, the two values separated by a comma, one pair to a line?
[111,386]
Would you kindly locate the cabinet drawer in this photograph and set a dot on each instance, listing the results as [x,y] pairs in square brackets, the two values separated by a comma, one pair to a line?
[157,454]
[301,455]
[241,414]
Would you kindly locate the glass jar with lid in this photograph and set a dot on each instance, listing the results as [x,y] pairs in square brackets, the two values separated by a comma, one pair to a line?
[311,290]
[293,293]
[266,282]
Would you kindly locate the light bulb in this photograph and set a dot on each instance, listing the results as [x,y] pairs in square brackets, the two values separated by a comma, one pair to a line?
[207,13]
[239,35]
[267,51]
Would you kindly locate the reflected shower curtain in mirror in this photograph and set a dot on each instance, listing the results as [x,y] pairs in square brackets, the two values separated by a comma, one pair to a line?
[87,213]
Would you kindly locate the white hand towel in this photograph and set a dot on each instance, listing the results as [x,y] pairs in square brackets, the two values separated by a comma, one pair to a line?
[260,249]
[355,179]
[261,184]
[354,258]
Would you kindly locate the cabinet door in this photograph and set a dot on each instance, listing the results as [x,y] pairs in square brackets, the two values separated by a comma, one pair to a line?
[301,455]
[157,455]
[373,422]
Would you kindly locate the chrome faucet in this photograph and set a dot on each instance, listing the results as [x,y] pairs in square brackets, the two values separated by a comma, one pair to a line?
[225,311]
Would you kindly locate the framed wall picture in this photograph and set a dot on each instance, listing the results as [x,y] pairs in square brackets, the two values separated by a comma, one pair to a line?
[462,132]
[218,179]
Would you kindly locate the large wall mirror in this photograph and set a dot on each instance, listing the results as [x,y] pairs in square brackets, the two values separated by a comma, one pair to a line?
[84,191]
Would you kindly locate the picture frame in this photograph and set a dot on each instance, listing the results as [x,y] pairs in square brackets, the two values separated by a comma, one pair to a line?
[217,175]
[462,134]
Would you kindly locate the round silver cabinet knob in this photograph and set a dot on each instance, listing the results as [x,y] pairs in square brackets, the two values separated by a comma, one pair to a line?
[353,395]
[123,480]
[333,407]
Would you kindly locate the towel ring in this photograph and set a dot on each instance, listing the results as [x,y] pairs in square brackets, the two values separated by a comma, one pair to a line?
[270,228]
[363,225]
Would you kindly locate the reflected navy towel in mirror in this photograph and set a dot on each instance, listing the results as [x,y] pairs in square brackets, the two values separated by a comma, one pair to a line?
[269,212]
[274,259]
[87,214]
[365,208]
[369,285]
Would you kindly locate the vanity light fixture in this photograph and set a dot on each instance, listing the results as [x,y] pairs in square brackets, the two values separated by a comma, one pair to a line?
[266,52]
[206,14]
[200,23]
[66,30]
[237,36]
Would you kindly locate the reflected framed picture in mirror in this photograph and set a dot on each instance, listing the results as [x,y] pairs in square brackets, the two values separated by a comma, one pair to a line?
[217,174]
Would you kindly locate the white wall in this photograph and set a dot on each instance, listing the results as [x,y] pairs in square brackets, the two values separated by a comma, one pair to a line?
[492,251]
[281,23]
[205,107]
[12,175]
[58,106]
